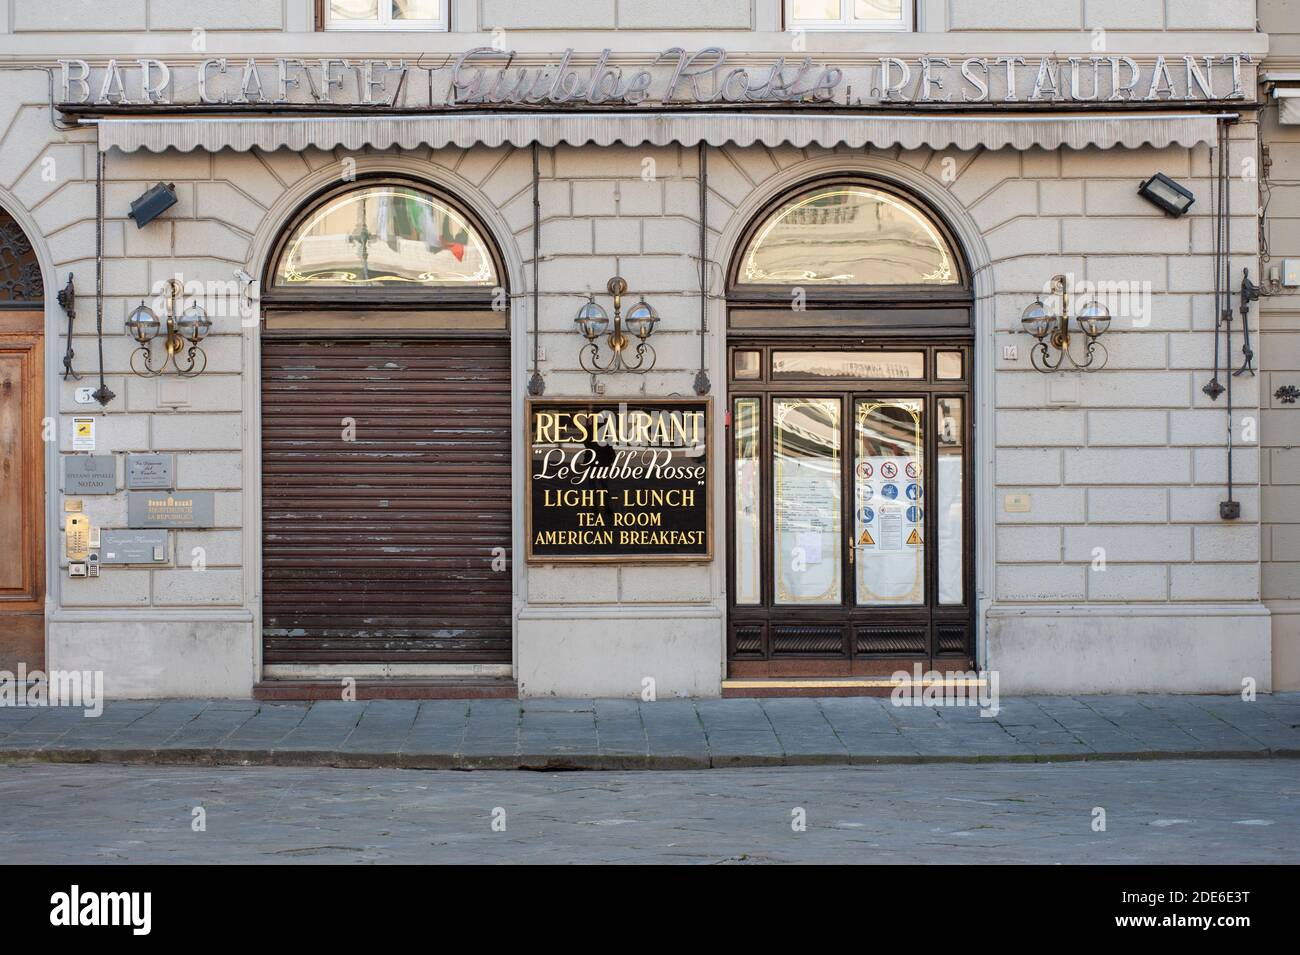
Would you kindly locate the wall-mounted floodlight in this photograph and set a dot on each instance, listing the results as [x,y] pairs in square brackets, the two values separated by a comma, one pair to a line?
[1168,195]
[152,204]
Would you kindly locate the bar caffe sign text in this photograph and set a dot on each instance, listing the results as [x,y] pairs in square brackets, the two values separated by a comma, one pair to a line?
[485,76]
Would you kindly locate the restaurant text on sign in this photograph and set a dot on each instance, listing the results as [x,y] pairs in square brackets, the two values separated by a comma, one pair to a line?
[485,76]
[618,480]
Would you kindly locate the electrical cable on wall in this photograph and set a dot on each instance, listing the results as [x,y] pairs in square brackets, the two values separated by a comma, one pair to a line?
[536,385]
[1229,509]
[101,394]
[701,377]
[1213,388]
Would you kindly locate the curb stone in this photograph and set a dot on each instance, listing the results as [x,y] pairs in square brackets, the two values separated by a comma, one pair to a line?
[573,762]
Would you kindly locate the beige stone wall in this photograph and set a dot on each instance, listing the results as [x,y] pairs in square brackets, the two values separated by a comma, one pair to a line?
[1279,316]
[1128,459]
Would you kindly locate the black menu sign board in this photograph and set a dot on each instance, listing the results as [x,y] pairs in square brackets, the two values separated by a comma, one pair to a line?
[618,480]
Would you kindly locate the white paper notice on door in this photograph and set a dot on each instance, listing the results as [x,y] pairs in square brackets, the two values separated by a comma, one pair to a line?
[891,529]
[810,542]
[894,572]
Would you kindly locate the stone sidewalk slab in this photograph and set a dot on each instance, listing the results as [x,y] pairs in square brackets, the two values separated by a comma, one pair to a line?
[610,734]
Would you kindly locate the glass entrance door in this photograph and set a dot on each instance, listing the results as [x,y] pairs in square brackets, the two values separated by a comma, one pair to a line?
[850,510]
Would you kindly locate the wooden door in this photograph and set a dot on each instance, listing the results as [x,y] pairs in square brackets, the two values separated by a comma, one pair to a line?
[22,491]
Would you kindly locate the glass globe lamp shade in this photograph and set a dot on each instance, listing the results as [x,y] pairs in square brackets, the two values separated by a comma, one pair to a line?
[592,320]
[1094,319]
[642,319]
[194,323]
[142,324]
[1036,320]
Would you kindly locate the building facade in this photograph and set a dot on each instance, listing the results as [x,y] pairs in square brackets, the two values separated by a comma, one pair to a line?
[1279,312]
[625,348]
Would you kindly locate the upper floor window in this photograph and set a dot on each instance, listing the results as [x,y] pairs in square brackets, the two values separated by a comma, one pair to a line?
[849,14]
[386,14]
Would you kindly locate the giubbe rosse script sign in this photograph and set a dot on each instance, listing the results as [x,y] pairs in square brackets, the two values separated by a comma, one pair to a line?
[707,77]
[618,480]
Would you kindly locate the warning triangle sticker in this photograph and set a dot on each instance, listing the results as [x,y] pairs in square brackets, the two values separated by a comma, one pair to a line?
[915,537]
[866,538]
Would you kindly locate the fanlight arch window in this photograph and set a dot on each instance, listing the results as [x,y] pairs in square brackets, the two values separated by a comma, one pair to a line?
[847,234]
[385,235]
[20,272]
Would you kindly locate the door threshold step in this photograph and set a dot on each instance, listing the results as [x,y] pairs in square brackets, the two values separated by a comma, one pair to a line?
[424,688]
[829,686]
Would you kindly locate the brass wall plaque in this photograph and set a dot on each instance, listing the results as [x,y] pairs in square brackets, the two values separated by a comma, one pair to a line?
[614,480]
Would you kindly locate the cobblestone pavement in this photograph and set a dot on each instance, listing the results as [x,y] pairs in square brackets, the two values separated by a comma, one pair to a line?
[671,734]
[1157,811]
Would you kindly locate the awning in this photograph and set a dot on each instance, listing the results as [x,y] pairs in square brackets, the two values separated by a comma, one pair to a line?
[1074,131]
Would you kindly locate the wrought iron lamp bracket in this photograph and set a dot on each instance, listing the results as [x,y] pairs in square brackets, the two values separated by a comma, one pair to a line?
[642,355]
[1056,336]
[174,342]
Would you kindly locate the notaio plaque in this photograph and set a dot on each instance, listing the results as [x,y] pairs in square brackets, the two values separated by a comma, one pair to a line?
[618,480]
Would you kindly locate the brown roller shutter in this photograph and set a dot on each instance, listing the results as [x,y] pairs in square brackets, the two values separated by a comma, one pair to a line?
[380,549]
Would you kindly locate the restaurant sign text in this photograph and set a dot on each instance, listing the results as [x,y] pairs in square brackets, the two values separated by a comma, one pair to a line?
[711,76]
[618,480]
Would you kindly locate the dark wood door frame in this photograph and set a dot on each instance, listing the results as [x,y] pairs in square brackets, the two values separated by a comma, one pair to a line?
[948,629]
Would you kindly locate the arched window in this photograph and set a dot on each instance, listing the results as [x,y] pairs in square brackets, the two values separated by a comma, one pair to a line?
[385,369]
[20,273]
[389,235]
[854,256]
[850,377]
[847,234]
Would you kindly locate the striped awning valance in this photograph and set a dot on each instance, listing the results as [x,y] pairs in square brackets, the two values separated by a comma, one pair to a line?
[1079,131]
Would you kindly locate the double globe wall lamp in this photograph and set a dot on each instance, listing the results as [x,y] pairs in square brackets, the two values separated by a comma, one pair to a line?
[187,327]
[593,322]
[1050,324]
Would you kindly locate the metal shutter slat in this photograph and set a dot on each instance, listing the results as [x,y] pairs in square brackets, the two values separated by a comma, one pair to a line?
[380,550]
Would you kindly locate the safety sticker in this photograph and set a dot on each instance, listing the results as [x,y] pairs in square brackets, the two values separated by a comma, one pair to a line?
[866,491]
[915,537]
[889,491]
[914,515]
[865,470]
[83,434]
[866,540]
[912,469]
[867,515]
[889,470]
[914,492]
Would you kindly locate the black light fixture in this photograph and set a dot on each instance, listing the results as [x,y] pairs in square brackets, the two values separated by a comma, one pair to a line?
[1163,192]
[152,204]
